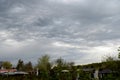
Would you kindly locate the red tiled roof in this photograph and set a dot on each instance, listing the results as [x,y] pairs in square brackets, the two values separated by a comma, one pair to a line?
[7,70]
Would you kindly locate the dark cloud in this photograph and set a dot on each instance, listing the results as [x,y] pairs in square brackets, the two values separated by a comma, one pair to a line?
[63,28]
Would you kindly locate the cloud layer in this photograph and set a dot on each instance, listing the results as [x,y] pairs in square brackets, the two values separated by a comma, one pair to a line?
[77,30]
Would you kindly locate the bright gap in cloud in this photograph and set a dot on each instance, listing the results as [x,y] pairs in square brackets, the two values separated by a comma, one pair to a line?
[5,34]
[17,44]
[66,45]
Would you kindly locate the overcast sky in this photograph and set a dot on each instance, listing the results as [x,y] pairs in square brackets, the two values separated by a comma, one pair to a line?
[82,31]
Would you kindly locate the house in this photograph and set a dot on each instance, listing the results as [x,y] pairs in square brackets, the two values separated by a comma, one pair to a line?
[2,70]
[105,72]
[90,71]
[98,73]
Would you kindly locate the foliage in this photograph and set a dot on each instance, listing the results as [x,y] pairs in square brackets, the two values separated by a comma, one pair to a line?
[44,66]
[7,65]
[44,63]
[20,65]
[119,52]
[28,77]
[28,67]
[60,62]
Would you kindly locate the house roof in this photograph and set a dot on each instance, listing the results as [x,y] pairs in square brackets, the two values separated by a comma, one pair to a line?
[14,73]
[88,69]
[7,70]
[106,71]
[65,71]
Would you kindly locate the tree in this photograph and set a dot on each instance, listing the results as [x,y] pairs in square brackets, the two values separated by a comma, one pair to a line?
[7,65]
[44,66]
[63,69]
[109,59]
[73,70]
[119,52]
[20,65]
[110,63]
[44,63]
[71,65]
[28,66]
[60,62]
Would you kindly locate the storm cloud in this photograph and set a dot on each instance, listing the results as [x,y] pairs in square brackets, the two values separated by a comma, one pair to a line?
[81,31]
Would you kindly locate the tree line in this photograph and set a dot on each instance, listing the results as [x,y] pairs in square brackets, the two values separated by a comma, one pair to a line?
[53,70]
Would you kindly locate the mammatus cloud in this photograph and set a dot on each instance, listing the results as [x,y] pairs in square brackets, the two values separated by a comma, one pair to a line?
[81,31]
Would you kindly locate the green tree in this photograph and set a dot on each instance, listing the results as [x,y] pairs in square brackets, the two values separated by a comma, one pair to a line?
[73,70]
[60,63]
[110,63]
[44,66]
[7,65]
[20,65]
[63,69]
[119,52]
[44,63]
[28,66]
[109,59]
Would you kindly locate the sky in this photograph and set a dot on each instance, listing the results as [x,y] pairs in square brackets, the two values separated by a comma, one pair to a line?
[80,31]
